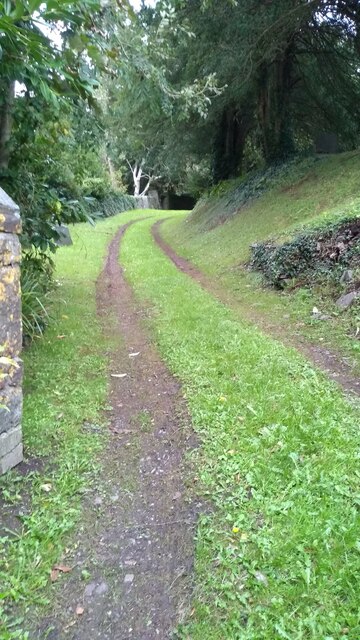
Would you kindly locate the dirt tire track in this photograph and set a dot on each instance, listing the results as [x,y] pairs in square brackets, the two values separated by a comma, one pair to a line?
[331,363]
[138,542]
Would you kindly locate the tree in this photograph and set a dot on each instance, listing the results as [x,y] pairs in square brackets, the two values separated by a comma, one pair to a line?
[30,55]
[55,51]
[284,70]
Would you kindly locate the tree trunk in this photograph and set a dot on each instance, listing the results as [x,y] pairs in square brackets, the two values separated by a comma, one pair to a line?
[144,191]
[137,173]
[275,87]
[229,144]
[6,109]
[112,173]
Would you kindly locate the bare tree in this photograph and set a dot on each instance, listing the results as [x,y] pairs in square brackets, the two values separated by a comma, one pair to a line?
[138,174]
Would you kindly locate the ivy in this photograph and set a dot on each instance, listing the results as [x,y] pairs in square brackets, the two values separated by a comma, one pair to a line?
[314,251]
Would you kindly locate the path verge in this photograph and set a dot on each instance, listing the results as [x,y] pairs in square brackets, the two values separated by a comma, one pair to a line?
[330,362]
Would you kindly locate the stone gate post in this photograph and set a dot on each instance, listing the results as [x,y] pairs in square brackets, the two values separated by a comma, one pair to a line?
[10,335]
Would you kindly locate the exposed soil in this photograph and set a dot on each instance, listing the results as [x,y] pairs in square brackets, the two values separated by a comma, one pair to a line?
[131,572]
[332,363]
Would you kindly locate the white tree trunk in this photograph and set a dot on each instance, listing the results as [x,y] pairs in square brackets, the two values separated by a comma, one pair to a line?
[137,174]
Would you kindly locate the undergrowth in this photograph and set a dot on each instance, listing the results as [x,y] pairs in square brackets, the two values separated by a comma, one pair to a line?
[316,250]
[37,282]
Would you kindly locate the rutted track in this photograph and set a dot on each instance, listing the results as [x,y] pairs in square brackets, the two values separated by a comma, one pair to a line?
[335,367]
[138,541]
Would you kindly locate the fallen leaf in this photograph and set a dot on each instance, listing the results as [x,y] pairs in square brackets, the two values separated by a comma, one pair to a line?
[54,575]
[261,577]
[58,568]
[63,568]
[118,375]
[79,610]
[46,487]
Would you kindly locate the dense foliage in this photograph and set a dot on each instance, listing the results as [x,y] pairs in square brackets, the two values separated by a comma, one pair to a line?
[280,73]
[53,158]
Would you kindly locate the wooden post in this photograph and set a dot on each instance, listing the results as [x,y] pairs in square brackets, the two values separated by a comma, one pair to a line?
[11,451]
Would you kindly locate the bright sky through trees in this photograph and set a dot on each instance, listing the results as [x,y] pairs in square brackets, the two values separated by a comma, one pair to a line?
[137,3]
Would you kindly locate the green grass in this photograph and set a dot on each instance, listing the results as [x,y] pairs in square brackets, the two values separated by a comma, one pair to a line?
[279,555]
[63,424]
[303,191]
[325,190]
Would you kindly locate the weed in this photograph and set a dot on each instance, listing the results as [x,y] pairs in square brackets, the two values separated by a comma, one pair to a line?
[144,420]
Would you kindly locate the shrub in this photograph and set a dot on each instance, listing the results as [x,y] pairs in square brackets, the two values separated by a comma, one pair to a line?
[96,187]
[36,283]
[314,251]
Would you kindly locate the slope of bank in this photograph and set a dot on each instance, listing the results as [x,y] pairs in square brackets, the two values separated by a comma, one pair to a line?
[276,205]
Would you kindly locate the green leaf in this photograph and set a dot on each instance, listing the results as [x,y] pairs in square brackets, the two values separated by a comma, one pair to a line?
[7,7]
[34,5]
[20,10]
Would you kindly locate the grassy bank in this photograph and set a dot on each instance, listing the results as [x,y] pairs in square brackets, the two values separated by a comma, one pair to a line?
[279,555]
[218,234]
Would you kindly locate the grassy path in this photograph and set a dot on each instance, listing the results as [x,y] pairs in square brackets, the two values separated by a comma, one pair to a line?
[278,555]
[131,566]
[65,389]
[279,558]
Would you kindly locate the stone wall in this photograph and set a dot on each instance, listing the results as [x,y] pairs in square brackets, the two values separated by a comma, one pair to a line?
[10,335]
[151,201]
